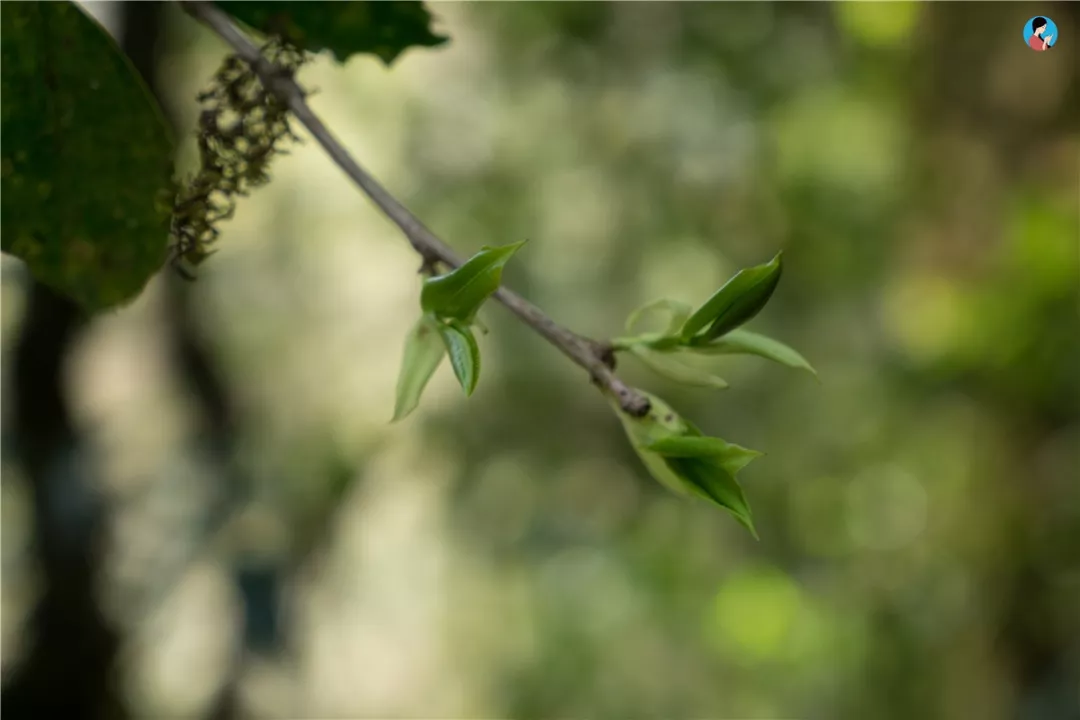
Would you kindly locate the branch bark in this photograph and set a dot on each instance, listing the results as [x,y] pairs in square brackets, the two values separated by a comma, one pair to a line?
[593,356]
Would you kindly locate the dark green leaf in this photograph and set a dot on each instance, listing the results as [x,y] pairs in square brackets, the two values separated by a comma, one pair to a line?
[424,350]
[739,300]
[708,478]
[733,457]
[705,476]
[464,353]
[87,159]
[744,342]
[670,367]
[677,310]
[460,293]
[384,29]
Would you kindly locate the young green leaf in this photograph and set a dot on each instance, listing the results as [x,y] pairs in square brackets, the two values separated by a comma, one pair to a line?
[460,293]
[744,342]
[739,300]
[668,366]
[463,351]
[708,478]
[732,457]
[661,422]
[424,351]
[678,311]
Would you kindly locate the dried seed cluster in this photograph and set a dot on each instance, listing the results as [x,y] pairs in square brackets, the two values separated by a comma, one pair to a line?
[240,129]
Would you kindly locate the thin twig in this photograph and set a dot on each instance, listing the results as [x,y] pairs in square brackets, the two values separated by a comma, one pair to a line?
[594,356]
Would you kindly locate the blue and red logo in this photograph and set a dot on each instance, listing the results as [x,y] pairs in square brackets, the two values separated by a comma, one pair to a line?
[1040,33]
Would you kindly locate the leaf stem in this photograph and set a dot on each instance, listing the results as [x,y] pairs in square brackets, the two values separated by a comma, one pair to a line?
[655,341]
[591,355]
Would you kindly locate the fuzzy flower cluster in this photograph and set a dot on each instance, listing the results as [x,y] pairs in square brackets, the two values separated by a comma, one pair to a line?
[240,129]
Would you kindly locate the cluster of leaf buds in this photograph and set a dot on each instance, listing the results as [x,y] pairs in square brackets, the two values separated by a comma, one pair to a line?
[449,303]
[240,129]
[674,450]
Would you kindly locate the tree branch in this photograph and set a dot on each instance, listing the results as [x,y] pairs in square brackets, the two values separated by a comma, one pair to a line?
[594,356]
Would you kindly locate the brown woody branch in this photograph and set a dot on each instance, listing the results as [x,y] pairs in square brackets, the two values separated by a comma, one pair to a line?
[593,356]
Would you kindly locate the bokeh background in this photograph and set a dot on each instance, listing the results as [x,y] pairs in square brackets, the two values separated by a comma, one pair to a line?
[288,553]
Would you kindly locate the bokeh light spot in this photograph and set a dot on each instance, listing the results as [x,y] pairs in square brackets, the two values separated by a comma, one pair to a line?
[850,142]
[884,24]
[926,314]
[886,509]
[755,612]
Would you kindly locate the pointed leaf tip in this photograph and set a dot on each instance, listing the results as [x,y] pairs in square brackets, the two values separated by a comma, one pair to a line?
[732,457]
[739,300]
[708,479]
[464,353]
[744,342]
[459,294]
[699,472]
[423,352]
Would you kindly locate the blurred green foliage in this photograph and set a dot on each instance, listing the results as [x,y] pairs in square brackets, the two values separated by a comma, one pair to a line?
[918,505]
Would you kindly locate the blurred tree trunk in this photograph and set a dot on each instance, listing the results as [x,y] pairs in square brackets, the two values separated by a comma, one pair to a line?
[68,670]
[144,36]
